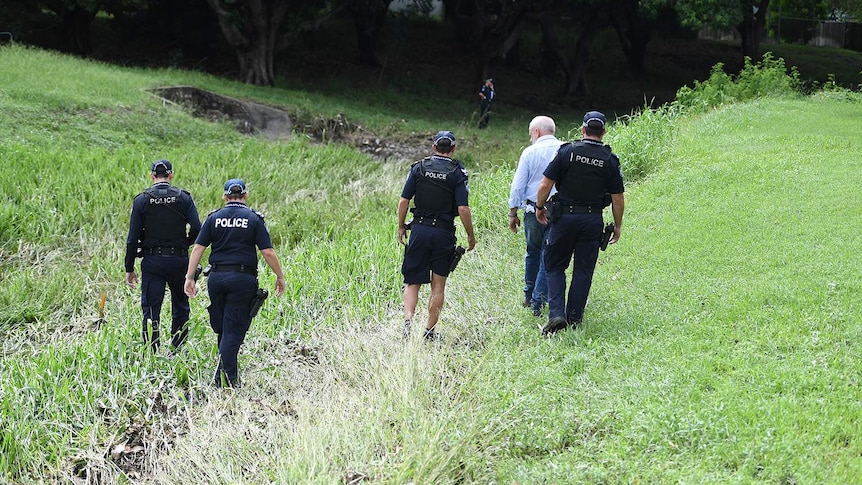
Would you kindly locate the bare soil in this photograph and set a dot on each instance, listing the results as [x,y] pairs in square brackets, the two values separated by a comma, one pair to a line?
[276,124]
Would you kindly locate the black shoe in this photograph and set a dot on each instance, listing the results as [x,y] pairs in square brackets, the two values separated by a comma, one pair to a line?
[536,308]
[431,335]
[554,325]
[575,322]
[526,301]
[227,383]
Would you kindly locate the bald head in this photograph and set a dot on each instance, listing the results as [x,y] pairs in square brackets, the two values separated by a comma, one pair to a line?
[544,125]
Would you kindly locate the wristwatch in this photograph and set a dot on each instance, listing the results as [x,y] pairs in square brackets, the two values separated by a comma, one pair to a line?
[540,208]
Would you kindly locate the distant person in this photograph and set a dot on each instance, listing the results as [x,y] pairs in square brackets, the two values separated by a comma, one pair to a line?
[486,95]
[523,194]
[583,172]
[438,187]
[163,224]
[235,232]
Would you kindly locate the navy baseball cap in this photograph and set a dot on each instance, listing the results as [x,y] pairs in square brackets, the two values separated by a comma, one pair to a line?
[447,137]
[234,187]
[595,120]
[161,167]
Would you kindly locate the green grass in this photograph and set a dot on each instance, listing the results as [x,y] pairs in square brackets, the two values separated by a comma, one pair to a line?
[720,344]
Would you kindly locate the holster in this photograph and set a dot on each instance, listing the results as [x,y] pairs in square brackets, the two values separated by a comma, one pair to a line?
[554,212]
[257,302]
[457,252]
[606,236]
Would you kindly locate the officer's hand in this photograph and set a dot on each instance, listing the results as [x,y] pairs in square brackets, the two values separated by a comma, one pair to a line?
[279,286]
[514,223]
[132,279]
[402,236]
[615,236]
[542,217]
[190,288]
[471,243]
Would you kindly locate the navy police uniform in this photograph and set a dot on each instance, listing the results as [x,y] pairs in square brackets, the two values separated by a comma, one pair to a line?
[486,95]
[235,232]
[438,185]
[584,172]
[157,231]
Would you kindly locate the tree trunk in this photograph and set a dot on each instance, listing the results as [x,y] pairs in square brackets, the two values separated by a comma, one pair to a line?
[489,29]
[76,28]
[552,50]
[252,30]
[751,29]
[634,33]
[576,83]
[368,19]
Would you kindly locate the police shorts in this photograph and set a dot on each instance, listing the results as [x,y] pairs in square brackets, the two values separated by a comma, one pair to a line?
[428,251]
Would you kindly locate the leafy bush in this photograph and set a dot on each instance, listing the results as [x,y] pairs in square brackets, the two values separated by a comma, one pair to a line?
[645,136]
[769,77]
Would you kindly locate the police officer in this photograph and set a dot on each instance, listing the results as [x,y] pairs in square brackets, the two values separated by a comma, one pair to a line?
[157,231]
[486,95]
[438,187]
[583,172]
[234,231]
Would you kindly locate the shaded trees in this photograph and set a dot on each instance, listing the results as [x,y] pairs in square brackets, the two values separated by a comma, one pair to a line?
[748,17]
[369,16]
[489,28]
[259,29]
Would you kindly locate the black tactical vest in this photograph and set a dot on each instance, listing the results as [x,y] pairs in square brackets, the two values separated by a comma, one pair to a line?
[164,218]
[585,179]
[434,191]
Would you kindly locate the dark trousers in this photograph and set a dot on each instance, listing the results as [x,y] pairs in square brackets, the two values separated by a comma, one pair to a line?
[484,113]
[230,294]
[577,235]
[158,272]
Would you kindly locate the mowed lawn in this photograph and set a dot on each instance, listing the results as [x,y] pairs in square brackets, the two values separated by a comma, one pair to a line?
[722,342]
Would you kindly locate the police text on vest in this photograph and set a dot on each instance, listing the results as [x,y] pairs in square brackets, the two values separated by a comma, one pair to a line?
[231,222]
[597,162]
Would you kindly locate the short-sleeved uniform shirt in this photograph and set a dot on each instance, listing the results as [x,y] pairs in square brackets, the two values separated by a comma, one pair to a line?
[235,232]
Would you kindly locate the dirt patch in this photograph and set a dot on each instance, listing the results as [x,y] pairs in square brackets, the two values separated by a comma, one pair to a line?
[277,124]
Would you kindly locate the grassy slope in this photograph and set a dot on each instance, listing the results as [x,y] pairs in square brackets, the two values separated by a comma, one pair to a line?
[723,329]
[720,343]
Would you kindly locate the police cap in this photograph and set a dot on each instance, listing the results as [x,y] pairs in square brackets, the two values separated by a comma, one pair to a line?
[161,167]
[235,187]
[444,138]
[595,120]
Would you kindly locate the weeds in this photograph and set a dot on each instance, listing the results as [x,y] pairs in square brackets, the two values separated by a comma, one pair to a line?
[720,342]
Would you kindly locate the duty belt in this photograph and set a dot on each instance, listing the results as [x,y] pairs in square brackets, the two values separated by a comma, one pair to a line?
[239,268]
[579,209]
[166,251]
[434,222]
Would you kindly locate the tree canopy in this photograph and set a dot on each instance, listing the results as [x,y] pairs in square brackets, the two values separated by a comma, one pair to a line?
[256,31]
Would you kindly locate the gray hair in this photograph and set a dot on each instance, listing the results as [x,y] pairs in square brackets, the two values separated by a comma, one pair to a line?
[544,124]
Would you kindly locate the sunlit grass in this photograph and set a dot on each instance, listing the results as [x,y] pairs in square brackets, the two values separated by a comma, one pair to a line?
[721,341]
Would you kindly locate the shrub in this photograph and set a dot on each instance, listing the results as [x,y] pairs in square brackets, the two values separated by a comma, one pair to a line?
[769,77]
